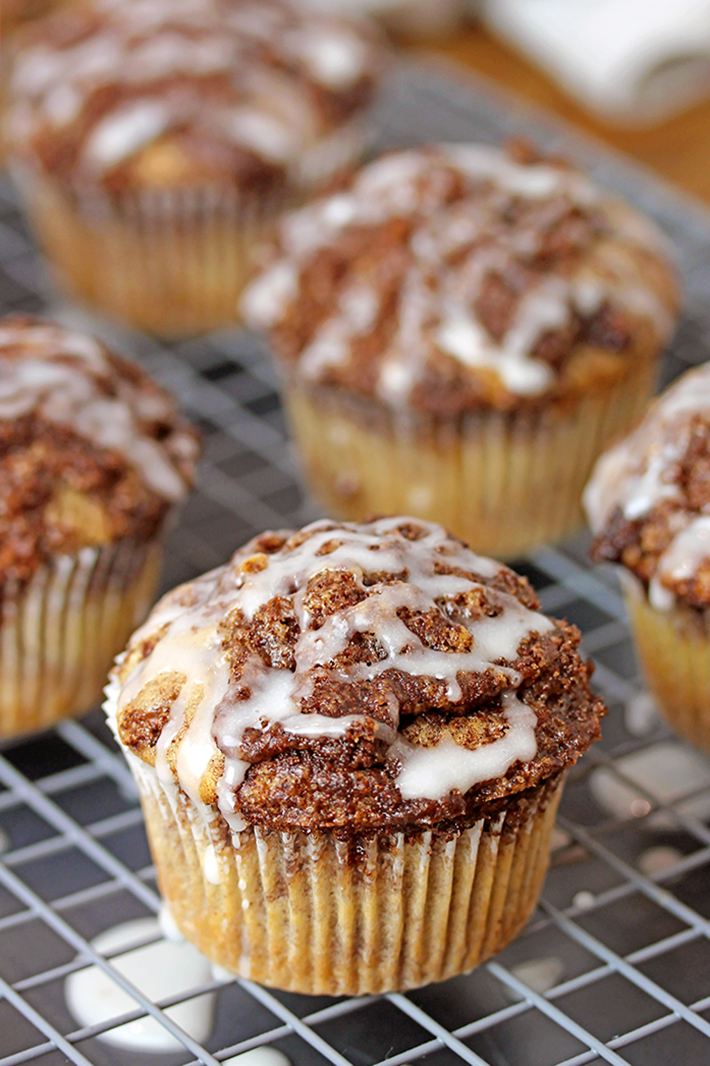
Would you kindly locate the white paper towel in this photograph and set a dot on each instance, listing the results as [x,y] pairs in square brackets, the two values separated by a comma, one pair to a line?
[632,60]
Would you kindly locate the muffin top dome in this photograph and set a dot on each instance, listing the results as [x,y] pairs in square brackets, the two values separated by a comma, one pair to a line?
[141,94]
[354,676]
[454,276]
[91,449]
[648,501]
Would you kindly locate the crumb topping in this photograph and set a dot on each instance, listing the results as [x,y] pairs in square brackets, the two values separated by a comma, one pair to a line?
[648,501]
[91,450]
[459,276]
[354,676]
[134,94]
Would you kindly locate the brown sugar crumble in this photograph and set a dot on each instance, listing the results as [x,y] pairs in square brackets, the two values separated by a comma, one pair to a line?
[649,499]
[130,95]
[61,489]
[458,277]
[311,669]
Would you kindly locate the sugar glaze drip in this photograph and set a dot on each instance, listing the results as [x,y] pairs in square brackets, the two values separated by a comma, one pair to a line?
[639,473]
[210,717]
[66,378]
[433,772]
[436,303]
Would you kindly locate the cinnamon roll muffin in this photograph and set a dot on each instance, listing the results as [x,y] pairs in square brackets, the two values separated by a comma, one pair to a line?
[350,742]
[93,460]
[461,330]
[648,504]
[155,140]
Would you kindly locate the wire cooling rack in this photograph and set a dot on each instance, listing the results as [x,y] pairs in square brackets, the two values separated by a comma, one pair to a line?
[615,965]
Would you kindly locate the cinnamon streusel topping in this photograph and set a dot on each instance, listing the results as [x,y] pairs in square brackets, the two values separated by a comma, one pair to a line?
[458,276]
[648,501]
[91,450]
[144,94]
[357,677]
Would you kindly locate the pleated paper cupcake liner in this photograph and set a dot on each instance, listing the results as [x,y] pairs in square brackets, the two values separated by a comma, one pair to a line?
[317,913]
[59,633]
[505,483]
[171,262]
[674,650]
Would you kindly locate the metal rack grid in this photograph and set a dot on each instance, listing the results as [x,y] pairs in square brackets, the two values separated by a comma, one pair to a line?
[613,967]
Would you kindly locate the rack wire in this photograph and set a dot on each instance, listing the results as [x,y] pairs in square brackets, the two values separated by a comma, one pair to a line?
[614,966]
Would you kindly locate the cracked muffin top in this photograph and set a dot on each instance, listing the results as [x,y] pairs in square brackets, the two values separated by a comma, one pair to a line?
[129,95]
[648,501]
[354,677]
[91,449]
[457,276]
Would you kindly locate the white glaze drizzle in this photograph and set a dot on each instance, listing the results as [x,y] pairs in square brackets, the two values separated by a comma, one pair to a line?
[436,301]
[64,377]
[681,560]
[142,45]
[689,548]
[335,57]
[122,132]
[639,473]
[433,772]
[189,619]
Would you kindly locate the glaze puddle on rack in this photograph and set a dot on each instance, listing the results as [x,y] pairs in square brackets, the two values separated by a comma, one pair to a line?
[614,966]
[160,970]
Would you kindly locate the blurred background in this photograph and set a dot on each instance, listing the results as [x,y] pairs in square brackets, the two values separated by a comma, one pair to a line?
[635,73]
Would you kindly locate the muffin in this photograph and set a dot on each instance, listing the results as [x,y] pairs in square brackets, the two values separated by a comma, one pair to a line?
[156,140]
[93,459]
[461,331]
[14,14]
[349,743]
[648,504]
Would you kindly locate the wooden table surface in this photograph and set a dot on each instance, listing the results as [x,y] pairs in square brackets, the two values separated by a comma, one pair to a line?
[679,148]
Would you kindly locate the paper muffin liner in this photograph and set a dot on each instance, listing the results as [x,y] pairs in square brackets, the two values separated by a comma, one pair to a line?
[674,651]
[59,633]
[172,262]
[318,913]
[504,483]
